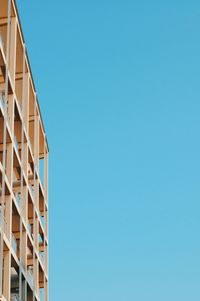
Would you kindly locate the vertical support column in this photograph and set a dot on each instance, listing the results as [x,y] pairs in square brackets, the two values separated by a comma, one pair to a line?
[43,214]
[46,188]
[7,256]
[36,276]
[12,69]
[36,159]
[12,57]
[9,157]
[36,234]
[46,219]
[26,100]
[46,171]
[25,109]
[22,190]
[36,138]
[46,291]
[24,290]
[34,214]
[4,149]
[24,251]
[6,271]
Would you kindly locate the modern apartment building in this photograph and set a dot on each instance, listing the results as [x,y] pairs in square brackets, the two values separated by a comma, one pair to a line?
[23,170]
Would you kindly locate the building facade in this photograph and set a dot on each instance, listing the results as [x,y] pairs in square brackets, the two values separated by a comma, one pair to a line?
[23,170]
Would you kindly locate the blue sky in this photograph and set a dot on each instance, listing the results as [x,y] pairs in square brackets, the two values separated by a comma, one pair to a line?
[118,83]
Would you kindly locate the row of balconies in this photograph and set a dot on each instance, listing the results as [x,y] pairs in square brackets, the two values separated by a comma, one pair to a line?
[34,242]
[20,120]
[17,139]
[15,241]
[34,193]
[28,276]
[30,221]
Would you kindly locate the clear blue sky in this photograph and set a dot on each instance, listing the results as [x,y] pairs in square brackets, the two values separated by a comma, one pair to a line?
[119,88]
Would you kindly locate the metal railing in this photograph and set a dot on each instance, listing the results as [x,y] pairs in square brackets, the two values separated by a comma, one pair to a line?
[4,104]
[16,143]
[2,219]
[31,147]
[18,198]
[20,104]
[14,243]
[30,277]
[41,294]
[42,257]
[32,190]
[14,297]
[42,219]
[1,41]
[30,230]
[3,101]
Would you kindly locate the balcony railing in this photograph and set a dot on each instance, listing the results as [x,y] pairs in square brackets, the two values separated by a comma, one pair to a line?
[30,229]
[42,257]
[16,143]
[14,297]
[18,198]
[41,294]
[42,219]
[31,186]
[2,219]
[31,147]
[1,41]
[3,102]
[30,276]
[14,243]
[1,216]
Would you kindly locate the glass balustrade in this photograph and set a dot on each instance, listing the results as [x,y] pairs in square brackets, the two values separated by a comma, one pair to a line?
[2,219]
[16,143]
[1,41]
[14,297]
[14,243]
[18,198]
[42,257]
[32,190]
[30,276]
[29,228]
[3,102]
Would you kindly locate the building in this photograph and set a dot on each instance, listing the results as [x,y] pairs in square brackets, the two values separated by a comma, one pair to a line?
[23,170]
